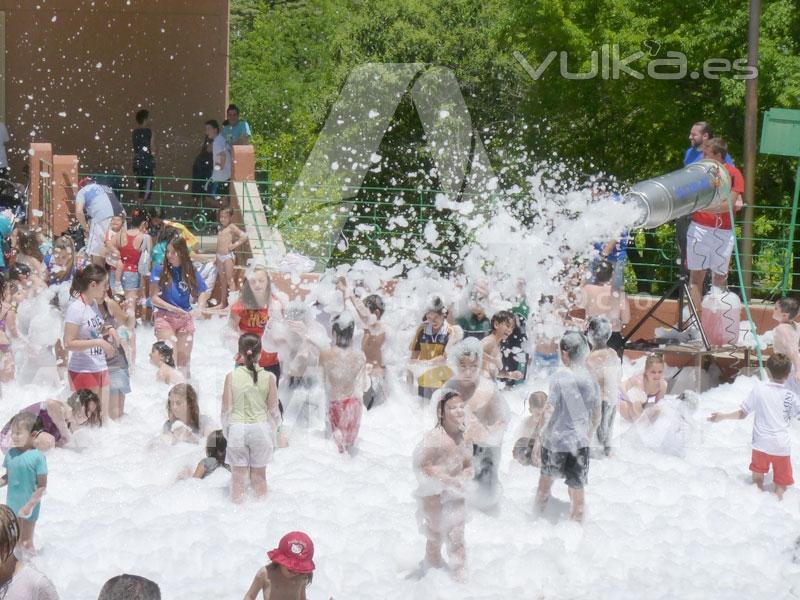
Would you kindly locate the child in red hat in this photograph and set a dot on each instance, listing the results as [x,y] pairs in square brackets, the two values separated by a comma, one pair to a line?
[289,572]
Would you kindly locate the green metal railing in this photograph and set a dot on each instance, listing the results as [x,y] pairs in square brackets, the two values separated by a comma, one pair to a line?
[378,218]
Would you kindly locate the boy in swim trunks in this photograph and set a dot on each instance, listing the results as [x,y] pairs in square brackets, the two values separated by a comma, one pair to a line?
[565,445]
[345,369]
[229,238]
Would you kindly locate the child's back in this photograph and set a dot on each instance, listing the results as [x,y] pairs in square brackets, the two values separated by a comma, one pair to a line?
[574,396]
[773,407]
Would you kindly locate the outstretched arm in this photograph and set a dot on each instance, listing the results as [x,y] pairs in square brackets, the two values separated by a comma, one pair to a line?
[718,416]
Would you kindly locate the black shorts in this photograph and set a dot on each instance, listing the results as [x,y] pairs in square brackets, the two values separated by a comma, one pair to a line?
[573,467]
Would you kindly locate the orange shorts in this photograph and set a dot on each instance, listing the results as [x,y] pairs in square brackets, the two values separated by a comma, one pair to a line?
[781,467]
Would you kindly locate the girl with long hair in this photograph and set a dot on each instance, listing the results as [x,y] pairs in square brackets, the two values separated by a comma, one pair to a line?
[87,337]
[175,286]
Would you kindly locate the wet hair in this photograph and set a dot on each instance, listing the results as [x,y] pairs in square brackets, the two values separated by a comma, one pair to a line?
[165,352]
[343,328]
[9,532]
[85,277]
[64,242]
[440,406]
[654,358]
[28,421]
[374,304]
[139,216]
[28,242]
[18,270]
[537,399]
[187,268]
[226,211]
[216,444]
[598,332]
[502,316]
[232,107]
[166,232]
[705,128]
[574,345]
[789,305]
[296,310]
[435,306]
[779,366]
[142,116]
[192,406]
[717,146]
[468,348]
[250,352]
[602,272]
[129,587]
[82,399]
[246,294]
[213,124]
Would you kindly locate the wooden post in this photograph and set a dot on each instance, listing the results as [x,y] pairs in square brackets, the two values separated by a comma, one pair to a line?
[65,186]
[38,152]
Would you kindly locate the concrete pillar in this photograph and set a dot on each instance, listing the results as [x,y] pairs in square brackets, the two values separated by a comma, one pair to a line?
[39,153]
[65,186]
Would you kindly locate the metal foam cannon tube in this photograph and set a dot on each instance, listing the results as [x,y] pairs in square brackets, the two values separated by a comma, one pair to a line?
[663,199]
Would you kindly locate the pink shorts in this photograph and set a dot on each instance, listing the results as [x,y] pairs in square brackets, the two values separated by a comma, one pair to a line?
[345,418]
[88,381]
[174,322]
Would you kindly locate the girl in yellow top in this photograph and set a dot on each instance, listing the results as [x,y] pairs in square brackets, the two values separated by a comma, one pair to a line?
[250,416]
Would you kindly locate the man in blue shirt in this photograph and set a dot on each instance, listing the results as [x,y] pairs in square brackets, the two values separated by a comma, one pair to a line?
[237,132]
[698,135]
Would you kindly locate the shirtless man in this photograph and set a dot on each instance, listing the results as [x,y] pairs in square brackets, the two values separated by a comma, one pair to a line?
[443,465]
[503,323]
[345,371]
[487,415]
[229,238]
[370,311]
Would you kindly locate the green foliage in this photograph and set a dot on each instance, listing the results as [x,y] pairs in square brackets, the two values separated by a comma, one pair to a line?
[289,62]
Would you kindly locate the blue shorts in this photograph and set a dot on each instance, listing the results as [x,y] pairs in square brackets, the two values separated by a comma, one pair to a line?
[131,281]
[119,381]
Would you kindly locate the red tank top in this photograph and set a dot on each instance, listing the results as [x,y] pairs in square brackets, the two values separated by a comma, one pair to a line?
[130,256]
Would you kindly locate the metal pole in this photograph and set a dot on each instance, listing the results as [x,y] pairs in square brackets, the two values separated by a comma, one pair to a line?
[750,143]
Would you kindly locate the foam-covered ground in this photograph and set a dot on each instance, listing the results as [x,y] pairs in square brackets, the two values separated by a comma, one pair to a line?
[657,526]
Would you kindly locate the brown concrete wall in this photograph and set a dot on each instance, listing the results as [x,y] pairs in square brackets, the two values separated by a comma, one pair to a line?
[76,74]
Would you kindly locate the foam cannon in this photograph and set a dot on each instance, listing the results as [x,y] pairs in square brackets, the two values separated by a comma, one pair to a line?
[664,199]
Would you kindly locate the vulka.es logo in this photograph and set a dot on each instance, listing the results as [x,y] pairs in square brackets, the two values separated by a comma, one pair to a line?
[609,64]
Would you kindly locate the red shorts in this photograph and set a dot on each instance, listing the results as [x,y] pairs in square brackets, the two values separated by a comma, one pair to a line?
[781,467]
[90,381]
[345,418]
[174,322]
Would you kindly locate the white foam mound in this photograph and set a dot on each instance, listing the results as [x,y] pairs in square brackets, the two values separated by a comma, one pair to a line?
[657,526]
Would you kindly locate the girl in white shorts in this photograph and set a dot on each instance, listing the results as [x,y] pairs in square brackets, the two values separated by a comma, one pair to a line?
[251,415]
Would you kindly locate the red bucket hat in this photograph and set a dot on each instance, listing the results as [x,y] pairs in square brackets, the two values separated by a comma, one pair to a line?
[295,552]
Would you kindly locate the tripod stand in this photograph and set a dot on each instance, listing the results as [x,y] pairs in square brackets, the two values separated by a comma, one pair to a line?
[684,297]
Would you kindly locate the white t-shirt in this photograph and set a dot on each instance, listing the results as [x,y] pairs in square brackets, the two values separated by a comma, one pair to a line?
[221,147]
[30,584]
[4,139]
[90,323]
[774,407]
